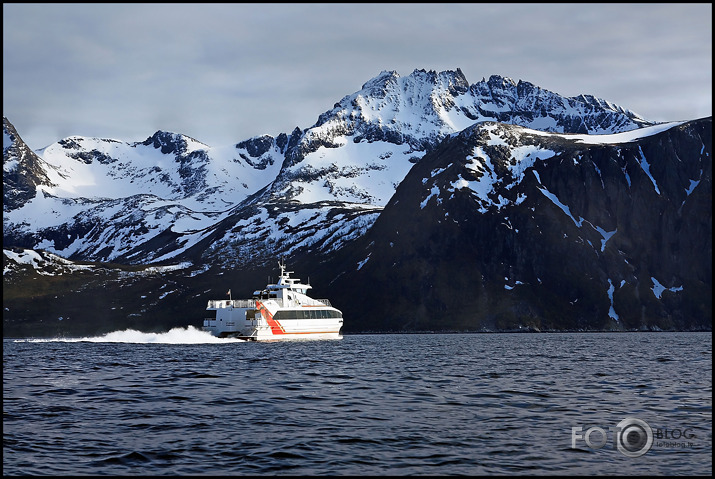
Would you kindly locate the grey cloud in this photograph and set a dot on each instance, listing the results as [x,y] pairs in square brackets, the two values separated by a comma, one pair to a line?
[224,72]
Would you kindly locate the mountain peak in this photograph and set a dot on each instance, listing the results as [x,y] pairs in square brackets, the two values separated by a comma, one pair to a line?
[169,142]
[23,170]
[498,81]
[378,85]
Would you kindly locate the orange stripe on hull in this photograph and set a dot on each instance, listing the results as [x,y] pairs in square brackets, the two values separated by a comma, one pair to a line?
[276,327]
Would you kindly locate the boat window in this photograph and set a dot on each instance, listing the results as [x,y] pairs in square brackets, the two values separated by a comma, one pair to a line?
[288,314]
[307,314]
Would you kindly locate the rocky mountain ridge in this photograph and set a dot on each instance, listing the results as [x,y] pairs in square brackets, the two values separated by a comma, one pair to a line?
[157,199]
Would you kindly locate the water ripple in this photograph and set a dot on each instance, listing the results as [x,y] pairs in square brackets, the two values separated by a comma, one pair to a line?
[492,404]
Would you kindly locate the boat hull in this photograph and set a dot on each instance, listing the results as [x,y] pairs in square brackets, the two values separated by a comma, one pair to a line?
[269,337]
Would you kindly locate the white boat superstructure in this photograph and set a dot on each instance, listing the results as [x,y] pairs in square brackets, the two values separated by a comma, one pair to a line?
[281,311]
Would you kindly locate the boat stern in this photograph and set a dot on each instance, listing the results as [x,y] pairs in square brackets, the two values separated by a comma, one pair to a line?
[234,318]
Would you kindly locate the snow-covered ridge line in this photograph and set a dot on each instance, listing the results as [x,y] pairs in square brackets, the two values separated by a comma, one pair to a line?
[612,138]
[42,260]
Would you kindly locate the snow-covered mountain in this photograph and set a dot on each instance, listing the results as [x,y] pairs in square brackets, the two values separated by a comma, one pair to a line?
[172,197]
[417,203]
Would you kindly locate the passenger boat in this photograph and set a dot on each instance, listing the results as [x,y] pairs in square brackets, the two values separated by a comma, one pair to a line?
[281,311]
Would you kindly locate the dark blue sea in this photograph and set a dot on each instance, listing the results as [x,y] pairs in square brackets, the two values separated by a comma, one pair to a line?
[181,403]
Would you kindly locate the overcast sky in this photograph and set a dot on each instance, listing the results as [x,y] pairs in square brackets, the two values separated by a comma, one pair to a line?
[223,73]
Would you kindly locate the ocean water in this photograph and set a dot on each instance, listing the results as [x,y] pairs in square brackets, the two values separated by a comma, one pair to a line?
[183,403]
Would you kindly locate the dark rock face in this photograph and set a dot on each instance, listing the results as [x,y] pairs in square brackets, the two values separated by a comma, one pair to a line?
[611,236]
[23,170]
[190,165]
[167,142]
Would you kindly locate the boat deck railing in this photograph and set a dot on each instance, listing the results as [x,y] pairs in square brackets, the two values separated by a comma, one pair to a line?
[227,303]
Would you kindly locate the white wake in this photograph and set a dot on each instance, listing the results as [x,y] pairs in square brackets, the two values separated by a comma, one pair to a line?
[188,335]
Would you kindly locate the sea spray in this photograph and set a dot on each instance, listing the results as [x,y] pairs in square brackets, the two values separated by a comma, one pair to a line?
[188,335]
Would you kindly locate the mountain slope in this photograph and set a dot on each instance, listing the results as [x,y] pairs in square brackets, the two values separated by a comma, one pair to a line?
[505,228]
